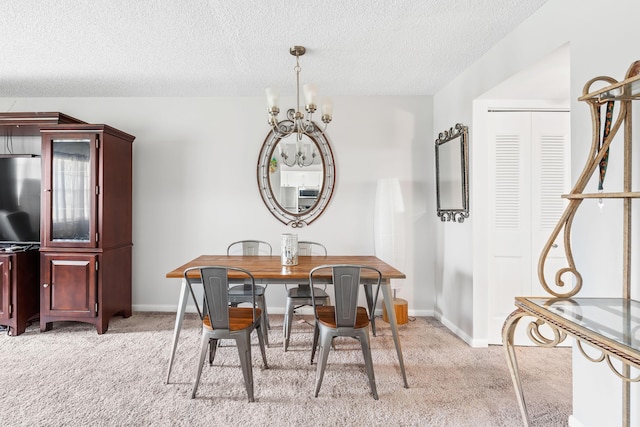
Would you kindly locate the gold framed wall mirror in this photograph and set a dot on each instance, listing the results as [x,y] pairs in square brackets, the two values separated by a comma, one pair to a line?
[452,174]
[296,175]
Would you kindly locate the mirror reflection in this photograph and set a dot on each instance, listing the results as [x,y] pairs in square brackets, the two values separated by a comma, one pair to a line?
[452,188]
[450,177]
[296,173]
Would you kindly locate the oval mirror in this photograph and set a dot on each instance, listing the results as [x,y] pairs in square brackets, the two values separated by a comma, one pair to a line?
[296,176]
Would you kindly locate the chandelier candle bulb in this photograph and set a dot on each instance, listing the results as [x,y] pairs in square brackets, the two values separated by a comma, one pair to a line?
[327,110]
[310,93]
[272,98]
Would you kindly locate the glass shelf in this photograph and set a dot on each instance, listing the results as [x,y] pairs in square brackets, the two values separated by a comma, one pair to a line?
[610,322]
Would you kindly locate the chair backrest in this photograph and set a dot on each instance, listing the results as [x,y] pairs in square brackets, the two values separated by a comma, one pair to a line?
[249,247]
[346,279]
[307,248]
[215,283]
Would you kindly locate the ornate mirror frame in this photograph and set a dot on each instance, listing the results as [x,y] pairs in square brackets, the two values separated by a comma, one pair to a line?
[299,219]
[452,174]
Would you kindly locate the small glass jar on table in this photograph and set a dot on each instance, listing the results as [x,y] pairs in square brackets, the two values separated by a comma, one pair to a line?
[289,249]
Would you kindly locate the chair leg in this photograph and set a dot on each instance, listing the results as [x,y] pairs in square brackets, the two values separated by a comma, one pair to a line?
[261,342]
[288,320]
[243,342]
[325,344]
[368,293]
[373,323]
[316,333]
[266,313]
[204,343]
[262,304]
[213,346]
[368,362]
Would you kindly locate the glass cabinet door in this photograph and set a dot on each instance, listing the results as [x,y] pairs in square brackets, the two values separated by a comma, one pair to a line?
[72,192]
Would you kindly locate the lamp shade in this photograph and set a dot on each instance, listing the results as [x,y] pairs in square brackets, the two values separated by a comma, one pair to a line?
[272,97]
[327,107]
[310,93]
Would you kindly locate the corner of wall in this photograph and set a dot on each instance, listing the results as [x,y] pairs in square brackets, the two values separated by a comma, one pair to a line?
[475,343]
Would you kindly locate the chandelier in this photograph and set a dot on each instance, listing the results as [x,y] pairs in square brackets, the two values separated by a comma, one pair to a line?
[297,122]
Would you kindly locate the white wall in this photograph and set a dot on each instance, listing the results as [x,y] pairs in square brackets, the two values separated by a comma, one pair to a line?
[603,41]
[195,187]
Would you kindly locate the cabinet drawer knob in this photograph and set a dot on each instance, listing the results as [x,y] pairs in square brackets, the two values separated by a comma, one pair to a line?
[46,285]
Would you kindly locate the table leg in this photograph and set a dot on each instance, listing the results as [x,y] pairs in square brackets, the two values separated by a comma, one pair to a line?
[508,331]
[182,306]
[391,314]
[626,396]
[368,293]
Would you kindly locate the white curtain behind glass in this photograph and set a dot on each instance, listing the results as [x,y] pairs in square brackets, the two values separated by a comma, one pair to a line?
[71,204]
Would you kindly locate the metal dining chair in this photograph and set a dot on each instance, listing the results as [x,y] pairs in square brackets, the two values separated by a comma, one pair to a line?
[346,318]
[242,293]
[221,321]
[300,295]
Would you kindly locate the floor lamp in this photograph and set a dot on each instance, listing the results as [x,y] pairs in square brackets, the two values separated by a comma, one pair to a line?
[389,234]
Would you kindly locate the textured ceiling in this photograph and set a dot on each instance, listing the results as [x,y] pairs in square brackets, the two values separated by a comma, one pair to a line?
[239,47]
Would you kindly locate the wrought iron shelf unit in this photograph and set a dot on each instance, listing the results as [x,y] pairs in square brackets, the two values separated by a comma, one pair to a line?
[609,326]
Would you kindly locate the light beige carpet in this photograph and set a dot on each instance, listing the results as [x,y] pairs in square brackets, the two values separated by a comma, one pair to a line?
[72,376]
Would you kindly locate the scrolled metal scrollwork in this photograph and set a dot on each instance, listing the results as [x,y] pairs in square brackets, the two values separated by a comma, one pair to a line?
[536,336]
[599,149]
[285,127]
[288,126]
[452,133]
[604,356]
[452,215]
[598,359]
[620,375]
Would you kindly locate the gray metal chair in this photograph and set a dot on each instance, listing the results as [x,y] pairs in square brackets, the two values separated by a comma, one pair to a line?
[345,319]
[300,296]
[242,293]
[221,321]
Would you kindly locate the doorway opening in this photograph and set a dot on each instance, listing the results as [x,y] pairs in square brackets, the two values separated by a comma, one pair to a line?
[543,88]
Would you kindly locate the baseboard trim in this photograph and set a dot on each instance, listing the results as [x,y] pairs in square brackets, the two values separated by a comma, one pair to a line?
[422,313]
[476,343]
[573,422]
[160,308]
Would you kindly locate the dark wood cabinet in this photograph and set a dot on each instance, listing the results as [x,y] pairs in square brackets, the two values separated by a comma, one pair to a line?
[29,123]
[86,230]
[19,296]
[83,269]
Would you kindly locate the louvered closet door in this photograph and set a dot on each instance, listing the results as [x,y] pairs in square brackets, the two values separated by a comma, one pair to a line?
[529,172]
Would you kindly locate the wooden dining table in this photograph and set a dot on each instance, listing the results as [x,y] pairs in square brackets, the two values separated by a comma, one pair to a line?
[268,270]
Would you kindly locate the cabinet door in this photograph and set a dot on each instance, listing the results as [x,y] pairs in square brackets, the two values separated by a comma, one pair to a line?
[5,287]
[69,285]
[70,190]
